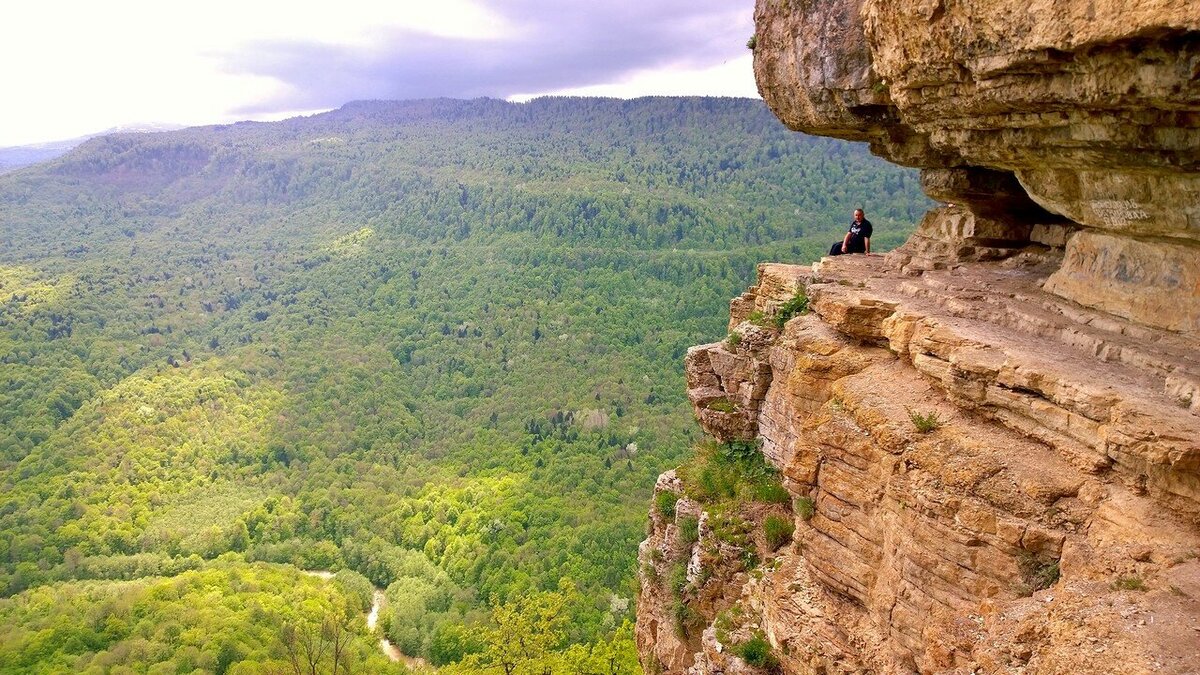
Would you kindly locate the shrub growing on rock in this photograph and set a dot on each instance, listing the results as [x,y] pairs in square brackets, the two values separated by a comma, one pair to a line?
[665,503]
[778,531]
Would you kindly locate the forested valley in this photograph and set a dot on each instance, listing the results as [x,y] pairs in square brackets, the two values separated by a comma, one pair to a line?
[433,347]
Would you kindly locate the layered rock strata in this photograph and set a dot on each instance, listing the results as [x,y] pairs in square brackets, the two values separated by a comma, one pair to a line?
[1080,111]
[991,436]
[1045,520]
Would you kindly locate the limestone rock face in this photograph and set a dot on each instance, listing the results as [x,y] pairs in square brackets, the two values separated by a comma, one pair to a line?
[1083,113]
[991,436]
[1046,518]
[1093,104]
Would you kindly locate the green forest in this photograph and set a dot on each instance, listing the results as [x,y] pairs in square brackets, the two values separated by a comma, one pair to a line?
[433,347]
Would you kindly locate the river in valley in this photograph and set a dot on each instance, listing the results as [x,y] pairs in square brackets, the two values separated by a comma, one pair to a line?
[377,600]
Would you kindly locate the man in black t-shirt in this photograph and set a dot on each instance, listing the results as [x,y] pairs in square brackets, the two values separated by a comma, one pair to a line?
[858,237]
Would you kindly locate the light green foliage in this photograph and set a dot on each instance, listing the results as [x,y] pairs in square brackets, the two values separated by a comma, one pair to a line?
[367,340]
[925,422]
[212,619]
[530,636]
[351,243]
[733,340]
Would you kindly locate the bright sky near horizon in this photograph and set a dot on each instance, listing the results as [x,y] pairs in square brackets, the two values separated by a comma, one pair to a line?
[74,67]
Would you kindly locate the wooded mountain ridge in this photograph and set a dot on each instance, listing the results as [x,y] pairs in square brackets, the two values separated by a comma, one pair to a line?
[436,344]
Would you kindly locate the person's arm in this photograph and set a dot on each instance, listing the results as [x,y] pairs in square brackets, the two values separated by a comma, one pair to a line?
[845,242]
[867,241]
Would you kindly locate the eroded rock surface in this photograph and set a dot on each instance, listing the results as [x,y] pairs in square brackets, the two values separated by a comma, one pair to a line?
[1048,522]
[1092,104]
[1083,113]
[991,435]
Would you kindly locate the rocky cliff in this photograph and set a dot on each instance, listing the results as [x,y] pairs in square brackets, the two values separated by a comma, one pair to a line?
[990,438]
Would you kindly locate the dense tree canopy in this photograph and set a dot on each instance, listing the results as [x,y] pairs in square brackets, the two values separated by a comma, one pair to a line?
[438,343]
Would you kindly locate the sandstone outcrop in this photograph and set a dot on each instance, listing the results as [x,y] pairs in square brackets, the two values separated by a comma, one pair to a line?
[991,436]
[1048,522]
[1079,111]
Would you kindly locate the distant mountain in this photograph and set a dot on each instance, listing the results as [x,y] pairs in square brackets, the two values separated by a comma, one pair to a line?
[437,342]
[17,156]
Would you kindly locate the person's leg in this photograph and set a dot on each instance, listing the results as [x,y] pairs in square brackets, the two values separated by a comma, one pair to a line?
[836,249]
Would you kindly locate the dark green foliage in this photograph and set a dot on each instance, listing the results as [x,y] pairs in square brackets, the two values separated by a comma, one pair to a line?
[689,530]
[1129,583]
[925,422]
[757,652]
[796,306]
[805,508]
[723,405]
[665,503]
[778,531]
[734,471]
[437,343]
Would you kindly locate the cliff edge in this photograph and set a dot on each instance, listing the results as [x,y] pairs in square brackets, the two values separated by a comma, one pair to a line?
[986,444]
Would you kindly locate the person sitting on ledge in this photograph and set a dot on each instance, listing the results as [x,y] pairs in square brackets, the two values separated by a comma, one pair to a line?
[858,237]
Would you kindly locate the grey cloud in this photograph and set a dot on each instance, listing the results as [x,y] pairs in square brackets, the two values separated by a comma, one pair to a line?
[562,43]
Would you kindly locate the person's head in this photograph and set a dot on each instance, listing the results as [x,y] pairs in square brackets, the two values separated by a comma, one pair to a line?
[858,214]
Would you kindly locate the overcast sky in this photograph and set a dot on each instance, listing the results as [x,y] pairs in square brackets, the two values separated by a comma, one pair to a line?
[78,67]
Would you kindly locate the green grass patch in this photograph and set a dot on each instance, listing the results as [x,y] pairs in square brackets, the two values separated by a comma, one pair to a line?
[689,530]
[665,503]
[805,508]
[759,319]
[771,493]
[723,405]
[677,580]
[1130,583]
[757,652]
[778,531]
[731,472]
